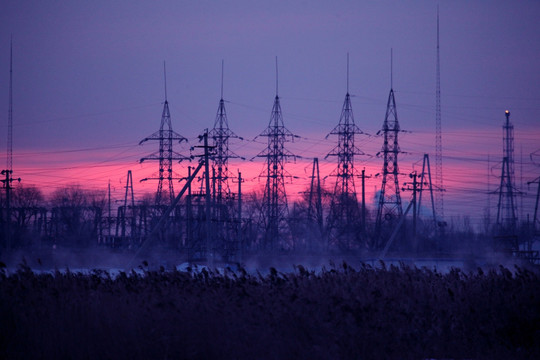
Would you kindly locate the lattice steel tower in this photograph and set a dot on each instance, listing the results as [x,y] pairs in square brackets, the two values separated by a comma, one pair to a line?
[275,208]
[344,213]
[165,154]
[506,208]
[220,135]
[389,209]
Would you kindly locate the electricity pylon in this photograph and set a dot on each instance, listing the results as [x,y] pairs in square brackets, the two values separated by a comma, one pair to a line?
[165,154]
[389,210]
[314,211]
[220,135]
[123,217]
[274,207]
[506,208]
[344,216]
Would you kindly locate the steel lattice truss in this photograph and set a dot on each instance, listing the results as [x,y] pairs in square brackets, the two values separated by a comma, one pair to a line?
[165,155]
[506,209]
[275,210]
[220,135]
[344,212]
[389,209]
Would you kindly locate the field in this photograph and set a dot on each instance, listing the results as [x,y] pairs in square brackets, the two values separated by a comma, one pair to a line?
[382,312]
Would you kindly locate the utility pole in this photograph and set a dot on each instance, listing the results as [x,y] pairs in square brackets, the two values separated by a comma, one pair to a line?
[535,232]
[189,213]
[239,228]
[535,216]
[7,186]
[414,187]
[109,211]
[209,245]
[364,201]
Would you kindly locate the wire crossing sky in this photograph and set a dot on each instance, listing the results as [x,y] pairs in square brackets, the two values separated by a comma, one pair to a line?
[88,85]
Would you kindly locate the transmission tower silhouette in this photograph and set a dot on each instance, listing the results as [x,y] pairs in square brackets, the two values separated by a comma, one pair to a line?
[344,216]
[220,135]
[123,218]
[439,198]
[165,154]
[222,196]
[389,210]
[274,206]
[314,210]
[506,208]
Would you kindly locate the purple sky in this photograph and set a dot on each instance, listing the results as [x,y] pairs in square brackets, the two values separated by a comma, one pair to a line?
[88,82]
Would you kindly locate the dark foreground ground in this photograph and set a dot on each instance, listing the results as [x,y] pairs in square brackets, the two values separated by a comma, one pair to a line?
[337,313]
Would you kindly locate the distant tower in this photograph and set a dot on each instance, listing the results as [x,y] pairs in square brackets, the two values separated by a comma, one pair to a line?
[221,134]
[389,209]
[165,154]
[275,208]
[314,211]
[439,198]
[506,209]
[344,212]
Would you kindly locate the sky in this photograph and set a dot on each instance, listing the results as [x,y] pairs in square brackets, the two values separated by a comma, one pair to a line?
[88,85]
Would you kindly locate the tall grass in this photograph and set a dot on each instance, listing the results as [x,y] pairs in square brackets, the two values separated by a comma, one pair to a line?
[337,313]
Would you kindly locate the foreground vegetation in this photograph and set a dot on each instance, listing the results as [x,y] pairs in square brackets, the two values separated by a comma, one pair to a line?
[339,312]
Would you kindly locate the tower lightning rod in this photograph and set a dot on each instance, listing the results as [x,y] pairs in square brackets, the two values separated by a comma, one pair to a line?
[221,79]
[165,79]
[347,73]
[277,77]
[391,69]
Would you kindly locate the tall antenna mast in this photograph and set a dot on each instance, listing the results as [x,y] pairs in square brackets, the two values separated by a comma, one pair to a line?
[222,65]
[277,77]
[10,111]
[347,73]
[391,68]
[438,137]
